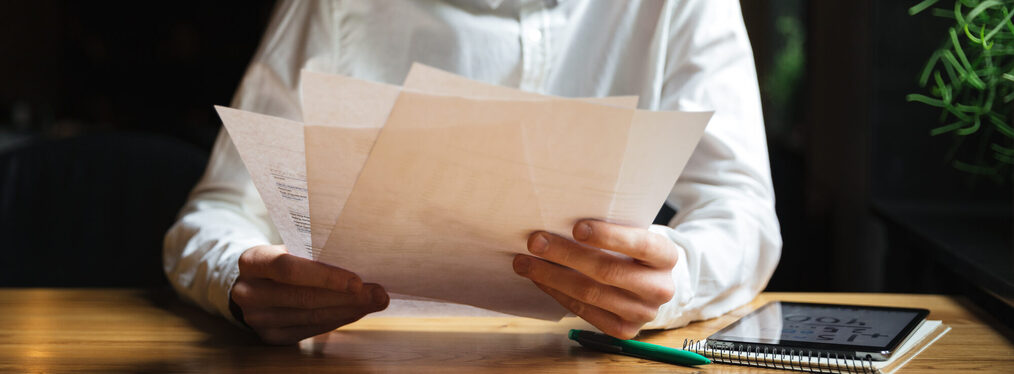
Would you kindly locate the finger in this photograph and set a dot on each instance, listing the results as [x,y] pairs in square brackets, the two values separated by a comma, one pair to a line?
[650,248]
[586,290]
[275,317]
[262,293]
[292,335]
[608,322]
[273,262]
[378,295]
[600,266]
[271,317]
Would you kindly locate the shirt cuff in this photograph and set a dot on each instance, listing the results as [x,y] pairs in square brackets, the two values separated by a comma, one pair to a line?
[220,289]
[670,315]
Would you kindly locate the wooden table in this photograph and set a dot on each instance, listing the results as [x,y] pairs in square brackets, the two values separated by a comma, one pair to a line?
[113,331]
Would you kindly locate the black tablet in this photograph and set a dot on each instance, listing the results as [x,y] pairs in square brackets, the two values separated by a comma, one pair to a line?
[844,330]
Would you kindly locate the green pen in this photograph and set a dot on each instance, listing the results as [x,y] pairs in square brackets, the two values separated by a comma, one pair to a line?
[606,343]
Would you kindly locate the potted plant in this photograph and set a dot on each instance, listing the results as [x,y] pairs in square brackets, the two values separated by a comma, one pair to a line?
[970,78]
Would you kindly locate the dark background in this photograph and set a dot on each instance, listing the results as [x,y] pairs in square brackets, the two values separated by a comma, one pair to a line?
[117,96]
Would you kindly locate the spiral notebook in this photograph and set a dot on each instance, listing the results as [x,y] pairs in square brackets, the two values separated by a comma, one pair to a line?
[774,356]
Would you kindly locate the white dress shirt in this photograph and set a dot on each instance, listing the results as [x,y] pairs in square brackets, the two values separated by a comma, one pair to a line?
[689,55]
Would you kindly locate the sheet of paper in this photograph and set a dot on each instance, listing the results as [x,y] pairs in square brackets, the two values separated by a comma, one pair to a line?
[453,187]
[343,117]
[272,150]
[658,144]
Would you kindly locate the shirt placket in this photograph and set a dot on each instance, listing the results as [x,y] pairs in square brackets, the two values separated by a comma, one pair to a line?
[535,38]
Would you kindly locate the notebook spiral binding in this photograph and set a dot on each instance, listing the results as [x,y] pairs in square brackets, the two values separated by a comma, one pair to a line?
[785,359]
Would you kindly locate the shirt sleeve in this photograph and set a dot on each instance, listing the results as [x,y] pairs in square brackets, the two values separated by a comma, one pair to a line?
[726,228]
[224,215]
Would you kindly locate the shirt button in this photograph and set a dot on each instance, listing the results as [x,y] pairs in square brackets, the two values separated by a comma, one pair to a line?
[533,35]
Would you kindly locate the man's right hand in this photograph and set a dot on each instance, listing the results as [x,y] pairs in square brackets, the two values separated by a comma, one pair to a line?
[285,298]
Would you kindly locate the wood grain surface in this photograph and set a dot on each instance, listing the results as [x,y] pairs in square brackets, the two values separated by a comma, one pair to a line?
[114,331]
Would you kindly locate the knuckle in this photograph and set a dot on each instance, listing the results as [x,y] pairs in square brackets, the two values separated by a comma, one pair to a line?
[241,293]
[662,293]
[589,293]
[244,262]
[629,330]
[319,316]
[333,279]
[618,331]
[354,283]
[569,257]
[255,318]
[672,258]
[645,315]
[623,330]
[671,254]
[304,298]
[283,268]
[577,307]
[609,271]
[349,280]
[602,234]
[250,258]
[537,271]
[344,281]
[647,245]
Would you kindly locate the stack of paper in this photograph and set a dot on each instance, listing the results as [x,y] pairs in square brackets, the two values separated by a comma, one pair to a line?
[431,188]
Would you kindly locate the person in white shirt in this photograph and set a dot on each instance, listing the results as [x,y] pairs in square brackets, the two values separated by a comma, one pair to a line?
[716,254]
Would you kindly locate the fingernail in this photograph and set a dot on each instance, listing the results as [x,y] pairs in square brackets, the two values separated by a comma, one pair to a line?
[379,297]
[582,231]
[539,244]
[522,264]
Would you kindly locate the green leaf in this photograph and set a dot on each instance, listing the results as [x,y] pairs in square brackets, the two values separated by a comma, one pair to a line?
[969,130]
[949,69]
[974,169]
[924,77]
[1010,25]
[1002,127]
[945,91]
[1000,25]
[915,9]
[925,100]
[958,114]
[972,37]
[943,13]
[953,61]
[1003,158]
[946,128]
[958,17]
[1001,149]
[972,78]
[978,9]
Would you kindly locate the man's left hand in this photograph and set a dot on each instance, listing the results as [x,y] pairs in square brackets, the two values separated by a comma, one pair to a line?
[615,294]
